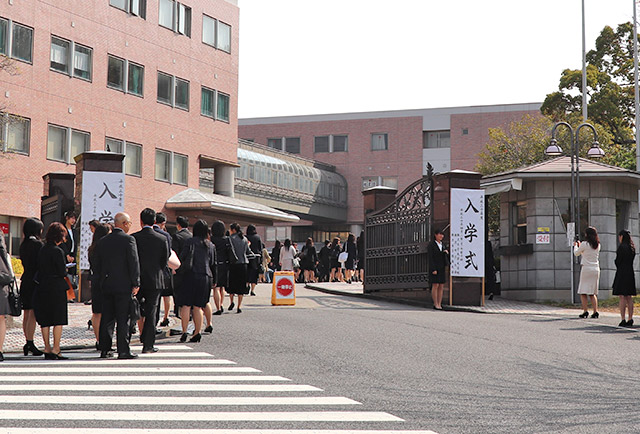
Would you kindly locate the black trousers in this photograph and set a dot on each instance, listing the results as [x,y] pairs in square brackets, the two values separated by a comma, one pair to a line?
[115,312]
[149,299]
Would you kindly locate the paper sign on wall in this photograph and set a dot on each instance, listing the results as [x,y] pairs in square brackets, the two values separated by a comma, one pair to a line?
[467,232]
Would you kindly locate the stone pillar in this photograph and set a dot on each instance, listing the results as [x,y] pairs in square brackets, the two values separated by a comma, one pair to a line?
[224,178]
[376,198]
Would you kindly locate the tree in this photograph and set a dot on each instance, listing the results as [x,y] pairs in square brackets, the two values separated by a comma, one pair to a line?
[610,88]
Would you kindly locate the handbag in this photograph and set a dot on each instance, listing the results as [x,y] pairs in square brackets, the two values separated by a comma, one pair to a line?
[15,305]
[71,295]
[134,309]
[342,257]
[174,261]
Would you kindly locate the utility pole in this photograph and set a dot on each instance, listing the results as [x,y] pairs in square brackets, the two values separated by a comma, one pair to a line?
[584,68]
[635,82]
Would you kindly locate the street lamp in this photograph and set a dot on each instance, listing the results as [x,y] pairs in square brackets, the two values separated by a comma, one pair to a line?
[554,150]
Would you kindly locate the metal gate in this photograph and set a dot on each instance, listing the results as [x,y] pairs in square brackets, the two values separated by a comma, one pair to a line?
[396,239]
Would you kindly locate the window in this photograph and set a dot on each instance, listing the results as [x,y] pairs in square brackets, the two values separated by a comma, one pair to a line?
[275,143]
[292,145]
[16,40]
[222,111]
[519,222]
[63,143]
[375,181]
[331,143]
[173,91]
[622,215]
[134,7]
[564,209]
[207,102]
[125,76]
[61,59]
[175,16]
[115,73]
[132,151]
[15,133]
[224,37]
[216,33]
[436,139]
[379,142]
[171,167]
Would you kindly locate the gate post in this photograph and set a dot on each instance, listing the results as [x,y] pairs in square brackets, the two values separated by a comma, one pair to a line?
[464,291]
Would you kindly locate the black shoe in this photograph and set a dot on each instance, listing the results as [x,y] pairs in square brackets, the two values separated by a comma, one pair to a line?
[59,357]
[89,324]
[231,306]
[584,314]
[30,347]
[221,308]
[252,293]
[195,338]
[623,323]
[184,336]
[106,354]
[209,329]
[629,323]
[595,315]
[97,346]
[127,356]
[165,322]
[174,332]
[1,357]
[217,312]
[159,331]
[239,310]
[149,350]
[49,356]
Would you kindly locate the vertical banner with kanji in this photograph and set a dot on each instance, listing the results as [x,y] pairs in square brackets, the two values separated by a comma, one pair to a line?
[467,232]
[102,199]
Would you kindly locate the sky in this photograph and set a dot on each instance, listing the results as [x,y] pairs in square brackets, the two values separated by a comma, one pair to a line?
[333,56]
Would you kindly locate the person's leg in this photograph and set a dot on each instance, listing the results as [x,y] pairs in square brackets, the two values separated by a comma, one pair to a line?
[240,297]
[107,322]
[46,339]
[594,303]
[253,287]
[583,301]
[166,302]
[439,294]
[3,330]
[207,313]
[121,313]
[197,319]
[148,334]
[95,322]
[629,306]
[184,317]
[232,304]
[57,335]
[622,303]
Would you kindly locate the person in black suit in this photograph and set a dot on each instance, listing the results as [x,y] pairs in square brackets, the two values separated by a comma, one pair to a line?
[437,255]
[167,292]
[117,271]
[153,255]
[29,250]
[256,246]
[178,240]
[50,299]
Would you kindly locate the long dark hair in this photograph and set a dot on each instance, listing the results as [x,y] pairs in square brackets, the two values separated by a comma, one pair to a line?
[236,227]
[201,230]
[287,244]
[32,228]
[626,239]
[102,229]
[591,236]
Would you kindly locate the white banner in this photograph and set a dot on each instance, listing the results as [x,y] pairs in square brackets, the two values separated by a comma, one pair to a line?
[102,199]
[467,232]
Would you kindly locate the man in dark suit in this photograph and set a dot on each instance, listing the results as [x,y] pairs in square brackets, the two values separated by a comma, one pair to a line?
[167,291]
[153,254]
[116,264]
[70,245]
[178,241]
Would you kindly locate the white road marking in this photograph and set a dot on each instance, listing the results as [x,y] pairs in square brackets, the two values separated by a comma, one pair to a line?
[208,431]
[162,347]
[115,361]
[177,400]
[173,416]
[99,369]
[135,378]
[164,387]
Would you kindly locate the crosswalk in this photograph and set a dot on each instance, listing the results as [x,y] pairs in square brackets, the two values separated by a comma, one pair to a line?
[174,390]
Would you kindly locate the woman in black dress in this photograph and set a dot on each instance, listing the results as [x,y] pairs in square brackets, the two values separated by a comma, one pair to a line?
[437,262]
[197,280]
[255,245]
[334,252]
[624,283]
[50,301]
[100,230]
[360,265]
[29,249]
[275,256]
[352,251]
[5,307]
[238,271]
[309,261]
[222,243]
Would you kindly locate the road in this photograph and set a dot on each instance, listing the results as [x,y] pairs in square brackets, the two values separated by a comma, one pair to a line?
[348,365]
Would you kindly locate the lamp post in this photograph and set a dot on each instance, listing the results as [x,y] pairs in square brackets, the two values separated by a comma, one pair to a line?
[554,150]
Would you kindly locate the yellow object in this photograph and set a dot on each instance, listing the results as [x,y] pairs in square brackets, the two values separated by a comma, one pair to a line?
[283,291]
[17,266]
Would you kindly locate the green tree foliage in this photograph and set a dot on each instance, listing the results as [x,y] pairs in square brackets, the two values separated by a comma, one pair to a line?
[610,90]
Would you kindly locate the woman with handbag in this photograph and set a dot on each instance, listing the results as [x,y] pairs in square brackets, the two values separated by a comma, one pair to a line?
[8,279]
[238,271]
[254,267]
[309,261]
[198,257]
[29,249]
[50,302]
[352,254]
[223,255]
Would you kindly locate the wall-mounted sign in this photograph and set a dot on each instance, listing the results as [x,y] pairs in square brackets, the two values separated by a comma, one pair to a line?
[467,232]
[544,235]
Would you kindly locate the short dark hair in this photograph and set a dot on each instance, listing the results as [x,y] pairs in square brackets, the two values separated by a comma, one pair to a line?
[56,233]
[201,229]
[148,217]
[182,221]
[251,229]
[217,228]
[95,223]
[160,217]
[32,228]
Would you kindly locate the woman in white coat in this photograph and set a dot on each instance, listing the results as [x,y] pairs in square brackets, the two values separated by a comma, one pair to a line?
[589,249]
[287,253]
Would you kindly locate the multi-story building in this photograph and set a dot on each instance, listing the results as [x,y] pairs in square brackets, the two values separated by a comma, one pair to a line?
[154,80]
[390,148]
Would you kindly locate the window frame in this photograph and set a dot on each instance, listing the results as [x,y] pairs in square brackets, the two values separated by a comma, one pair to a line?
[126,71]
[140,11]
[6,120]
[68,158]
[213,102]
[124,148]
[331,143]
[438,139]
[8,49]
[122,74]
[70,60]
[181,17]
[517,225]
[228,97]
[173,89]
[172,163]
[386,144]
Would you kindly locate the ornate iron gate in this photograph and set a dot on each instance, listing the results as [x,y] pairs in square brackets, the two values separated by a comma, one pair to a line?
[396,239]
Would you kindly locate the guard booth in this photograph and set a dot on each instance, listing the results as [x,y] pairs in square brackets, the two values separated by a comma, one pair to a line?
[398,232]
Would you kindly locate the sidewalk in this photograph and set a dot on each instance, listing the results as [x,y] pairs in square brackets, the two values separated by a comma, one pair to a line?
[75,335]
[497,306]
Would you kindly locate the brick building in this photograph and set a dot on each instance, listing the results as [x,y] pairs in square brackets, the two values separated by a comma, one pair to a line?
[154,80]
[390,148]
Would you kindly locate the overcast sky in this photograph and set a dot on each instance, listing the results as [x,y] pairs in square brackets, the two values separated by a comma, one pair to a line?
[332,56]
